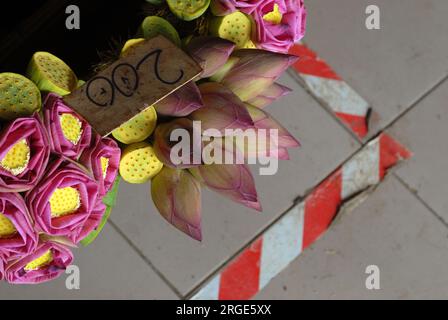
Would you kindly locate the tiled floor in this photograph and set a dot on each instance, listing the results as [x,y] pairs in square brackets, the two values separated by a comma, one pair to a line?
[391,67]
[401,227]
[391,230]
[424,129]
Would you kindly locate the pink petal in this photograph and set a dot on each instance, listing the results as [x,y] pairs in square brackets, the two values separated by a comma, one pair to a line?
[62,258]
[25,240]
[182,102]
[32,130]
[230,180]
[177,196]
[222,109]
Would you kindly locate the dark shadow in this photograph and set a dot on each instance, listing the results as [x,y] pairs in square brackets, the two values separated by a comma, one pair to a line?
[39,25]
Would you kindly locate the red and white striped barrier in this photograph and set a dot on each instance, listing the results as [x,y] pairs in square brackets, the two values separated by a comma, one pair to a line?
[243,277]
[321,80]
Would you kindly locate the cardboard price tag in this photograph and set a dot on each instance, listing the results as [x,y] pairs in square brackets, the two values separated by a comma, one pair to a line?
[148,73]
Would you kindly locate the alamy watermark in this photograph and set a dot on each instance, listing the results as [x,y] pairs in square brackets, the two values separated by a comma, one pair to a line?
[73,280]
[73,21]
[233,146]
[373,20]
[373,278]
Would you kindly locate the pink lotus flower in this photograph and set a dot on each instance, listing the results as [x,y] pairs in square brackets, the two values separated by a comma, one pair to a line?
[24,153]
[69,134]
[222,109]
[182,102]
[251,71]
[210,52]
[65,202]
[177,196]
[280,24]
[103,160]
[46,263]
[17,236]
[234,181]
[163,144]
[225,7]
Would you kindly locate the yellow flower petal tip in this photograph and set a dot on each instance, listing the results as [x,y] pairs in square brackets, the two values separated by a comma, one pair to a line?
[19,96]
[64,201]
[138,128]
[275,16]
[17,158]
[130,44]
[139,163]
[104,166]
[7,228]
[51,74]
[250,45]
[41,262]
[80,83]
[235,27]
[71,127]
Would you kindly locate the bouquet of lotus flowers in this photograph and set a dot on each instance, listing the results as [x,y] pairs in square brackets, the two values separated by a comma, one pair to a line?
[56,177]
[59,179]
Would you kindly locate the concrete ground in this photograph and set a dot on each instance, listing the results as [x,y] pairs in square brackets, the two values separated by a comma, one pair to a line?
[401,228]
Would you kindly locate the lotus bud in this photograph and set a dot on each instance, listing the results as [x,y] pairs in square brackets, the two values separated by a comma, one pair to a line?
[222,110]
[178,144]
[272,93]
[234,181]
[255,71]
[177,196]
[210,52]
[264,145]
[181,102]
[283,154]
[51,74]
[262,120]
[219,75]
[18,96]
[218,150]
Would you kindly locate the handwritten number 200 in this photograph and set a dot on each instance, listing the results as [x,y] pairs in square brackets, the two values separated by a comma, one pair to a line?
[101,90]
